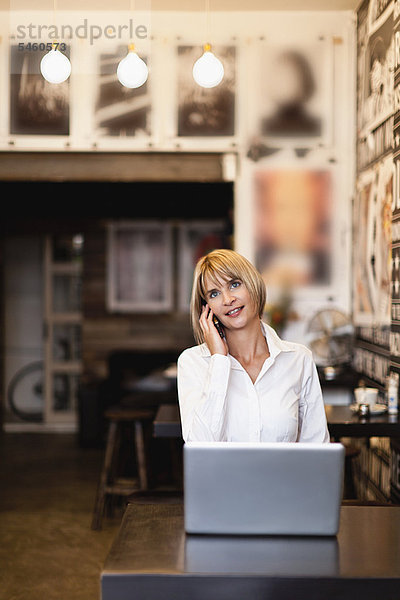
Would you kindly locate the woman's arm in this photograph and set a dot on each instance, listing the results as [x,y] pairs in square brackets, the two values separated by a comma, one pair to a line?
[312,418]
[202,387]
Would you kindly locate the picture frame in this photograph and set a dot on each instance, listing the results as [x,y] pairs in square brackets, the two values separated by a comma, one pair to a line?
[372,258]
[120,111]
[306,294]
[293,226]
[375,94]
[284,116]
[37,107]
[123,118]
[139,266]
[197,118]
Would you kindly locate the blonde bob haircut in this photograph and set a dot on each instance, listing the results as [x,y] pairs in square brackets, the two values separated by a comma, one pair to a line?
[225,265]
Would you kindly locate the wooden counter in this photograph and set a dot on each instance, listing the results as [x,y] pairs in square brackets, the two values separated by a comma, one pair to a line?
[152,558]
[342,422]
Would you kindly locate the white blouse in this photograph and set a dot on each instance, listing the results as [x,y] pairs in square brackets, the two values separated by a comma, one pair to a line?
[219,402]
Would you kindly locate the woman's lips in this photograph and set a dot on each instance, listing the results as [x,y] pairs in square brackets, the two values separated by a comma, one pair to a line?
[234,312]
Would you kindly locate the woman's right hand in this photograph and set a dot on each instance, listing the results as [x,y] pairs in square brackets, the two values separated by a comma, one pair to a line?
[215,343]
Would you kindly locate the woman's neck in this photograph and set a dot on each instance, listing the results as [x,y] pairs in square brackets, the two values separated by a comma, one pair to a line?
[248,343]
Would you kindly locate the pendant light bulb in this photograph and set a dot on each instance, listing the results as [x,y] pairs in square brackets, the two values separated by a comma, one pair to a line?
[132,71]
[55,66]
[208,70]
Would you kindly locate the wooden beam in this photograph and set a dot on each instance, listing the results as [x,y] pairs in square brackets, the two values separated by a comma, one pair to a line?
[110,166]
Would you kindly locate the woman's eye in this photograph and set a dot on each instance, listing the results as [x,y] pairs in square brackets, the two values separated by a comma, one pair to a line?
[213,294]
[235,284]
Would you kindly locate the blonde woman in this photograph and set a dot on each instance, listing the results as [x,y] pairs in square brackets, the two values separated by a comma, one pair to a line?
[242,382]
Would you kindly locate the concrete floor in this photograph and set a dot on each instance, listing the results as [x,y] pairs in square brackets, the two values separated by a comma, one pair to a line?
[47,491]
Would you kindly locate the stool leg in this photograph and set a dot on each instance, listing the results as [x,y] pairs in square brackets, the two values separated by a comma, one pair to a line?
[101,492]
[141,455]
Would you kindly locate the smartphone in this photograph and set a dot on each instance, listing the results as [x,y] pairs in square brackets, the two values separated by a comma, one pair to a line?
[218,325]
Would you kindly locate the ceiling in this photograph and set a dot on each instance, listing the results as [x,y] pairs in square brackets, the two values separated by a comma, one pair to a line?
[226,5]
[185,5]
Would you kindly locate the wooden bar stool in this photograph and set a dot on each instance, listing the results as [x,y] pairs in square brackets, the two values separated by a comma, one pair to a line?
[110,484]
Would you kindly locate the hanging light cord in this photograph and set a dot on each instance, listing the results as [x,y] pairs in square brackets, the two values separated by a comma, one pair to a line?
[131,46]
[207,22]
[55,42]
[54,11]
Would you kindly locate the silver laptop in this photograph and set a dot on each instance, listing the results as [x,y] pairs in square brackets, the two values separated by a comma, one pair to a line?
[263,488]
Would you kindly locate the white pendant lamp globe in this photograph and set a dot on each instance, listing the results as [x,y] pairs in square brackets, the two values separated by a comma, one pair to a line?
[208,70]
[132,71]
[55,66]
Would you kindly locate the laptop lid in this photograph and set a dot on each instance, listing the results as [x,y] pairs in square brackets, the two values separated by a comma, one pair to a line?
[263,488]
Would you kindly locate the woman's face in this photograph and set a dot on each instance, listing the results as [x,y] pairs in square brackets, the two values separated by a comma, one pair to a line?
[230,301]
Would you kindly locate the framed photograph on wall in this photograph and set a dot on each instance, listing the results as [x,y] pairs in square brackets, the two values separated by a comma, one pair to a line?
[195,239]
[205,111]
[291,100]
[139,267]
[37,107]
[375,70]
[120,112]
[293,227]
[197,117]
[372,259]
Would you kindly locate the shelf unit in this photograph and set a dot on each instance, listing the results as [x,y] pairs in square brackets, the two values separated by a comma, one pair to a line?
[62,328]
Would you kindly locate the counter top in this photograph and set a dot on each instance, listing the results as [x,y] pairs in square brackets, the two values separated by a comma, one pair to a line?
[342,422]
[152,557]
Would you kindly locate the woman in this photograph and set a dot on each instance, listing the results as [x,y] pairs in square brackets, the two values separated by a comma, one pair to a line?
[248,386]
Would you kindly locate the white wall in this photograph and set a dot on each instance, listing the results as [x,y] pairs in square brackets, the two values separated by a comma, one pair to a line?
[23,290]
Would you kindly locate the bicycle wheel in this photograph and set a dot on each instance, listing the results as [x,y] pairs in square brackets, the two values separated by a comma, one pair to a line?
[25,392]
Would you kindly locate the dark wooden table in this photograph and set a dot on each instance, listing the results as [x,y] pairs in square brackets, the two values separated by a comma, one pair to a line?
[342,422]
[167,423]
[152,558]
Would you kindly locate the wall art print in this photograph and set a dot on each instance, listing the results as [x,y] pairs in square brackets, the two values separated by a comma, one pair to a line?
[372,245]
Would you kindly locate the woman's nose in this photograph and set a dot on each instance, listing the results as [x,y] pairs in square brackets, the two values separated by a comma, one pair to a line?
[228,298]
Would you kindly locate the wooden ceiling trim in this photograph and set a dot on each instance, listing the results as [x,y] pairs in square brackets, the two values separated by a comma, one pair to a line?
[110,166]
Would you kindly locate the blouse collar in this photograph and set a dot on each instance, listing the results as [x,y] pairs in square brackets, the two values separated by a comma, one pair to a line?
[275,344]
